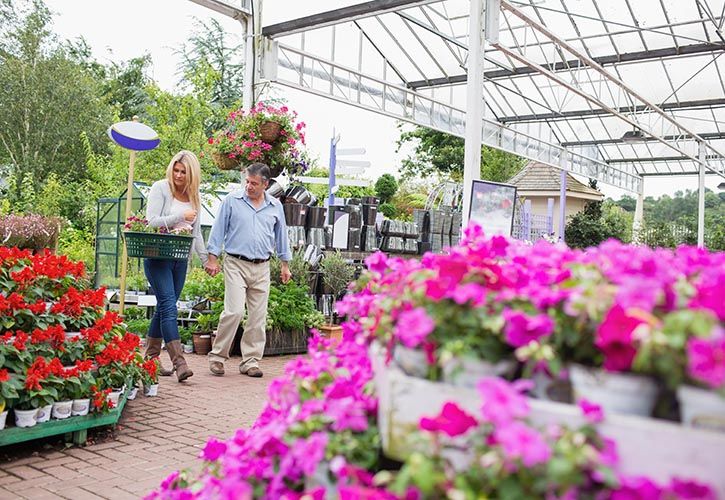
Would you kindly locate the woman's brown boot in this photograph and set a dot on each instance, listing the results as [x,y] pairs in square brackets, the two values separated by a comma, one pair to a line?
[153,350]
[176,353]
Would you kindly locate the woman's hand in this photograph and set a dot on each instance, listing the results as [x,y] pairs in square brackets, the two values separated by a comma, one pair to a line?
[190,215]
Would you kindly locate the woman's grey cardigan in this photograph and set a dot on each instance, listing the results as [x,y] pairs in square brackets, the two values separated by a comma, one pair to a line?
[158,213]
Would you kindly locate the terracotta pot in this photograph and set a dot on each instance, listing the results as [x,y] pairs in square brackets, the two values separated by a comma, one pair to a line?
[333,332]
[224,162]
[269,131]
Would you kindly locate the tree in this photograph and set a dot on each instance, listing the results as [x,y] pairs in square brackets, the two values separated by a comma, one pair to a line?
[47,100]
[440,153]
[586,228]
[385,187]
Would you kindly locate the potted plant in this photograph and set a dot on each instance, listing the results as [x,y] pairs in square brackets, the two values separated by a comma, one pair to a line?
[9,387]
[150,377]
[291,313]
[266,134]
[337,274]
[146,241]
[81,380]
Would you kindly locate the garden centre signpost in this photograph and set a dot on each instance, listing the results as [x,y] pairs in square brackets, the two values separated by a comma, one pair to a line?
[133,136]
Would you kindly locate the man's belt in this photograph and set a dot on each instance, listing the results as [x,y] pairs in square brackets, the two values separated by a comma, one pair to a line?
[247,259]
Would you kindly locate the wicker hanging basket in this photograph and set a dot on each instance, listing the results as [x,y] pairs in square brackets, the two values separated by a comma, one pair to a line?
[269,131]
[157,246]
[224,162]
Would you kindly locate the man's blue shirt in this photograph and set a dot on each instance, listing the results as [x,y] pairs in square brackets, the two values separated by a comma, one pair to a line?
[241,229]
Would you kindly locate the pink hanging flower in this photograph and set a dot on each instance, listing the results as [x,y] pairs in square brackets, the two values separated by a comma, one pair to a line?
[213,450]
[615,339]
[521,442]
[592,411]
[503,401]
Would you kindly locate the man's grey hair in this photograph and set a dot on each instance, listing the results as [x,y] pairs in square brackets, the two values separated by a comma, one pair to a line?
[259,169]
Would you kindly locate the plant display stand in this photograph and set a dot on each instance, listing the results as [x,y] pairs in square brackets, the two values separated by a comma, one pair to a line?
[74,428]
[278,342]
[655,448]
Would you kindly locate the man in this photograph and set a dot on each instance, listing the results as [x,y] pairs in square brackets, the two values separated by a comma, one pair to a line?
[250,226]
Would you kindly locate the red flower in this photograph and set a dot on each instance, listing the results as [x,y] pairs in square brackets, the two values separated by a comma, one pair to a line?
[4,375]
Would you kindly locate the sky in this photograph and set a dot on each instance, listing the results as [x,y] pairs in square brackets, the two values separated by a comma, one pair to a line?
[118,31]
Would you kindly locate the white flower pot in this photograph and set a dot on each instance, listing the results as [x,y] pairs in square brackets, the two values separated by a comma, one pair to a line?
[412,361]
[62,409]
[25,418]
[188,348]
[701,408]
[3,418]
[466,371]
[80,407]
[132,393]
[72,335]
[622,393]
[43,413]
[151,390]
[114,396]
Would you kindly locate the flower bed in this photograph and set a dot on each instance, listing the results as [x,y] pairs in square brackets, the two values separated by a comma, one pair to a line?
[537,310]
[61,353]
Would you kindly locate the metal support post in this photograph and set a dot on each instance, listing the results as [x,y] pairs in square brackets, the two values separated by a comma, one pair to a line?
[248,91]
[549,216]
[701,197]
[474,104]
[638,221]
[562,205]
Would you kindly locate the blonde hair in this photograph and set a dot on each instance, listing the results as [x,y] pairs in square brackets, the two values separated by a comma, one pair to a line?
[193,176]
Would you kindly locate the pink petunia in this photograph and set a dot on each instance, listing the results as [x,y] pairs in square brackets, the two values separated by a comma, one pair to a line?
[502,401]
[521,329]
[690,490]
[614,338]
[452,421]
[413,327]
[706,359]
[592,411]
[521,442]
[213,450]
[636,488]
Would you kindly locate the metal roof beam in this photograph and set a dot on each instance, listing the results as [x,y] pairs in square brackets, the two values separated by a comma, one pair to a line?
[583,113]
[608,60]
[658,159]
[595,142]
[342,15]
[227,8]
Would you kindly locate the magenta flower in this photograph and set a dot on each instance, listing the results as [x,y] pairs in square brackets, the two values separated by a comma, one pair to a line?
[452,421]
[637,488]
[502,401]
[470,292]
[592,411]
[688,489]
[213,450]
[377,262]
[521,442]
[710,293]
[614,338]
[706,359]
[413,327]
[521,329]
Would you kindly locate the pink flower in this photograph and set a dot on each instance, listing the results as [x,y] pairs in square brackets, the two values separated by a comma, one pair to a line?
[615,339]
[519,441]
[470,292]
[592,411]
[521,329]
[706,359]
[688,489]
[413,327]
[377,262]
[637,488]
[452,420]
[502,401]
[213,450]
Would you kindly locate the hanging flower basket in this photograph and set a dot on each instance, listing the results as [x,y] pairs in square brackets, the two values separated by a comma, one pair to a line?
[157,245]
[224,162]
[269,131]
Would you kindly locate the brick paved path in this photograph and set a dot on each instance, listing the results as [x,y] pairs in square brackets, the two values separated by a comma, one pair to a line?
[154,437]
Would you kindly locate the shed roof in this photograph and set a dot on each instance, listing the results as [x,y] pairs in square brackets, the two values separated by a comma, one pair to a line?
[537,176]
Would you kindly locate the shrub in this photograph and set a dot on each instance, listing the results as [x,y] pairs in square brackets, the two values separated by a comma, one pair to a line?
[29,231]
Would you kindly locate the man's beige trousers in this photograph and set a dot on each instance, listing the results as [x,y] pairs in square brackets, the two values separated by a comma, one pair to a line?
[244,283]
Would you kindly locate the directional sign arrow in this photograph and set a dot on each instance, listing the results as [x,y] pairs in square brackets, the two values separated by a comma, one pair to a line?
[349,170]
[353,163]
[350,151]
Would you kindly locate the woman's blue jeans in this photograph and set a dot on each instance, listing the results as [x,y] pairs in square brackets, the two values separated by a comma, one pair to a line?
[167,280]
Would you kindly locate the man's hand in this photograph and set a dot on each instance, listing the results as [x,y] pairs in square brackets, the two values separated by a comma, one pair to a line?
[212,265]
[284,274]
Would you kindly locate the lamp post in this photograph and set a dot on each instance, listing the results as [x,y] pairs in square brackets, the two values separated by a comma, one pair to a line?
[133,136]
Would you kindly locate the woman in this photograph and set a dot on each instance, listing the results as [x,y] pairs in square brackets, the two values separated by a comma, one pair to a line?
[174,203]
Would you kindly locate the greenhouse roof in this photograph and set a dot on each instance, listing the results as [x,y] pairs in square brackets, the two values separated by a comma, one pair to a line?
[615,89]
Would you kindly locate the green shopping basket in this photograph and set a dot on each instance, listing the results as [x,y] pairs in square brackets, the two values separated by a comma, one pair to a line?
[157,245]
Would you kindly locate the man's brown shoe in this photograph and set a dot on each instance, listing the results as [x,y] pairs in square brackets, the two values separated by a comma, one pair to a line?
[253,372]
[216,367]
